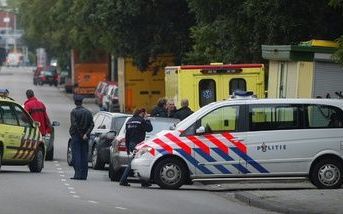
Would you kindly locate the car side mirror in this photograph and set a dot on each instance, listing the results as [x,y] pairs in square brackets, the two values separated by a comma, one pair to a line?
[55,123]
[36,124]
[111,135]
[200,130]
[172,127]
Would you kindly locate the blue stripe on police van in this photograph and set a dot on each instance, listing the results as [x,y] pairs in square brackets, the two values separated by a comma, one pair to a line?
[163,151]
[249,160]
[194,162]
[226,157]
[220,167]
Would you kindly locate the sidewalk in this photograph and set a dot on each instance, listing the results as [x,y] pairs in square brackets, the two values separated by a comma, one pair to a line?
[289,197]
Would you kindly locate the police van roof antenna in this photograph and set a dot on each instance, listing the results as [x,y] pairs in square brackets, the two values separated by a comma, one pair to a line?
[239,94]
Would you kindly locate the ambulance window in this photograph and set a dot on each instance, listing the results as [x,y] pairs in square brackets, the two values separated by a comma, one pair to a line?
[237,83]
[8,115]
[23,118]
[207,92]
[322,116]
[273,117]
[221,119]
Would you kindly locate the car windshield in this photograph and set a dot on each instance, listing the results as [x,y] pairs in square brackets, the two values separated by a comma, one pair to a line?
[159,125]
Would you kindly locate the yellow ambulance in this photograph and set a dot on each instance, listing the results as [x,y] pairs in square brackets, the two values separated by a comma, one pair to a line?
[20,139]
[204,84]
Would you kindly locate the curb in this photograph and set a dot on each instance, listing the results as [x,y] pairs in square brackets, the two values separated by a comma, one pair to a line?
[260,202]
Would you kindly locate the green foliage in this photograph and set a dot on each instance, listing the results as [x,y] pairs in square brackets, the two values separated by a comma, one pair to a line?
[239,28]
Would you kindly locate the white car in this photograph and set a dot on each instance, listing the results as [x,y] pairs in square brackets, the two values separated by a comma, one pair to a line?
[249,137]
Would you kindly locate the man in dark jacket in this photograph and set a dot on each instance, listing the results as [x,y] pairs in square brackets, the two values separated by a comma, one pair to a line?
[136,128]
[81,126]
[184,111]
[38,113]
[161,109]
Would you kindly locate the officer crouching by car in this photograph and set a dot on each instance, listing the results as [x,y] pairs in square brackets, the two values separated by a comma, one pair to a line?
[136,128]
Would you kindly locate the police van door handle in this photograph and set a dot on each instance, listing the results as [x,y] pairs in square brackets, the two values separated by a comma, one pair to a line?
[240,139]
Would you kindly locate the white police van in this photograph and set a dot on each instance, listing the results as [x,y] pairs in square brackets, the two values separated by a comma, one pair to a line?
[249,138]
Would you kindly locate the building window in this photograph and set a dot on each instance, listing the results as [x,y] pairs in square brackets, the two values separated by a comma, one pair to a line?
[207,92]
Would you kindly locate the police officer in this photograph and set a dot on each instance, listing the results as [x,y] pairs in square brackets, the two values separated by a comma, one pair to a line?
[161,109]
[136,128]
[81,126]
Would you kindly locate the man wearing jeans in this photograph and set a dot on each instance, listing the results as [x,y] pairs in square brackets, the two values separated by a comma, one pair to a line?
[136,128]
[81,126]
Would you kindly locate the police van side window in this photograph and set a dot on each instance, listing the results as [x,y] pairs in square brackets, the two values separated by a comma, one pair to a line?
[273,117]
[8,116]
[323,116]
[98,121]
[221,120]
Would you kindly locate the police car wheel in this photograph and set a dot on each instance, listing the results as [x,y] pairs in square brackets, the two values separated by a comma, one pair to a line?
[36,165]
[97,163]
[170,173]
[69,154]
[327,174]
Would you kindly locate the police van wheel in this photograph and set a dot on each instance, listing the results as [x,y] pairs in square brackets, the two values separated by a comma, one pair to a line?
[327,174]
[36,165]
[170,173]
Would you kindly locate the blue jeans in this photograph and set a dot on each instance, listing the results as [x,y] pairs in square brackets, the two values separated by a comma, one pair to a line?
[79,149]
[123,178]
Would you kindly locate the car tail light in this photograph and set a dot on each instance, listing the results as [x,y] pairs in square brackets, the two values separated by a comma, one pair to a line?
[122,146]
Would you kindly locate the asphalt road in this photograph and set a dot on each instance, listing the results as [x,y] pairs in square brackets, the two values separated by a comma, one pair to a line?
[51,191]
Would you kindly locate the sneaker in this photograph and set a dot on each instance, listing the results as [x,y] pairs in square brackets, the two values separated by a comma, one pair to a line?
[124,184]
[144,185]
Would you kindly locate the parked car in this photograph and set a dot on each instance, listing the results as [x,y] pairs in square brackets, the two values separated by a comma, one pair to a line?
[99,92]
[48,77]
[110,98]
[106,126]
[118,152]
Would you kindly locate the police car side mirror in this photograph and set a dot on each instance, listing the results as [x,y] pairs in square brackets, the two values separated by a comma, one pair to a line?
[172,127]
[55,123]
[200,130]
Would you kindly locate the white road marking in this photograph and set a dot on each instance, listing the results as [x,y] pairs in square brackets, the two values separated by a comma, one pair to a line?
[66,184]
[72,192]
[55,161]
[62,175]
[76,196]
[59,169]
[121,208]
[93,202]
[61,172]
[71,188]
[57,164]
[63,180]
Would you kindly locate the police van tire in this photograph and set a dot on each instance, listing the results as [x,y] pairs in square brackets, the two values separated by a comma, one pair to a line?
[69,154]
[50,154]
[36,165]
[170,173]
[327,174]
[97,163]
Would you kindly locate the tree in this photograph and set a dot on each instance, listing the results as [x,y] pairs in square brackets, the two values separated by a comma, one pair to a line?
[233,31]
[338,56]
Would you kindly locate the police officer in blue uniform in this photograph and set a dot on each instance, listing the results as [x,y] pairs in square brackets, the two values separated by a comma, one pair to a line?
[81,126]
[136,128]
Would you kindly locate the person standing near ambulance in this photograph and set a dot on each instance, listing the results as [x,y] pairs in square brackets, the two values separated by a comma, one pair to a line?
[37,110]
[82,124]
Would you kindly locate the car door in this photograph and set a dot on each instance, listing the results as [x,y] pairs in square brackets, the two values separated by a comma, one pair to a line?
[13,135]
[32,135]
[218,142]
[275,130]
